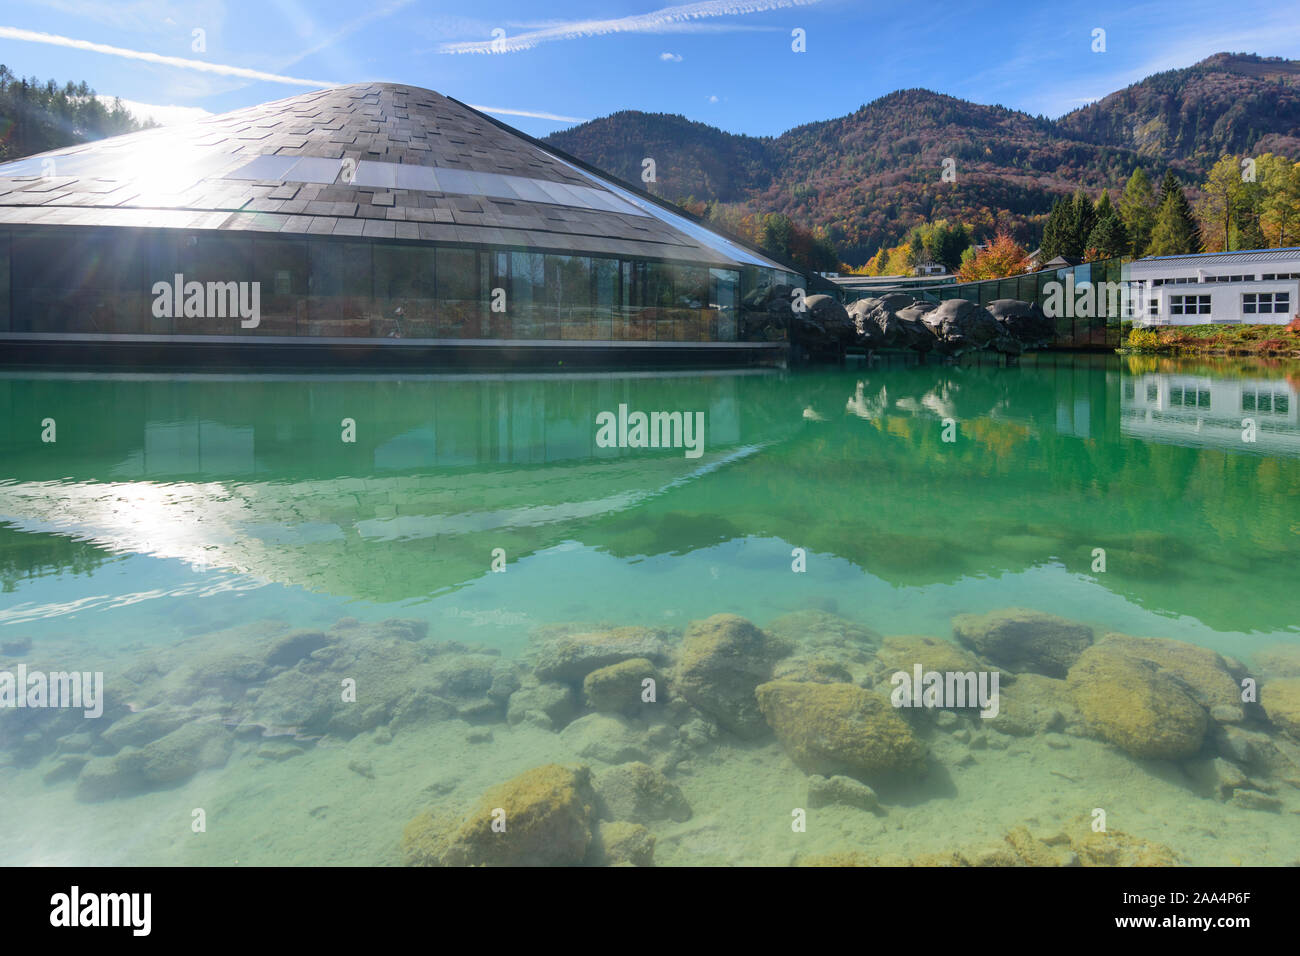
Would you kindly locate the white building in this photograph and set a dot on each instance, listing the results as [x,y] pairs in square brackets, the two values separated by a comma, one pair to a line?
[1258,286]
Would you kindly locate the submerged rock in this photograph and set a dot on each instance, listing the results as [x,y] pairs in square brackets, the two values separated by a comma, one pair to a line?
[620,843]
[138,729]
[840,791]
[1281,702]
[1023,640]
[546,704]
[1133,704]
[547,822]
[818,669]
[1216,776]
[1033,704]
[904,652]
[1076,847]
[839,729]
[1202,671]
[723,658]
[819,629]
[619,687]
[570,658]
[609,738]
[291,648]
[1280,660]
[636,791]
[166,762]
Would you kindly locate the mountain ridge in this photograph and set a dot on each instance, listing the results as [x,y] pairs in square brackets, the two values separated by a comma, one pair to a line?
[867,177]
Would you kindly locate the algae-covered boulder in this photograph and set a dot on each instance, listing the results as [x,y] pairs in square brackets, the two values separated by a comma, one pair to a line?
[816,668]
[570,658]
[723,658]
[619,688]
[904,652]
[542,817]
[1134,705]
[1079,845]
[619,843]
[1023,640]
[636,791]
[1281,702]
[1202,671]
[833,729]
[1033,704]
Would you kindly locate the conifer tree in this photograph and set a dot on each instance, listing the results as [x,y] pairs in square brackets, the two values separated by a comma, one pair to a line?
[1175,232]
[1108,237]
[1137,210]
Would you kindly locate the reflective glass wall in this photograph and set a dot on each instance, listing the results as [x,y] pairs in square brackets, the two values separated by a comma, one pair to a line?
[76,281]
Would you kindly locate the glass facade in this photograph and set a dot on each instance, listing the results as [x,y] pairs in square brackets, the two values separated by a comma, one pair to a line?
[1072,331]
[72,280]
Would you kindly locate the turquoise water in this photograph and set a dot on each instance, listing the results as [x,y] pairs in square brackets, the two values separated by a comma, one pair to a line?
[177,521]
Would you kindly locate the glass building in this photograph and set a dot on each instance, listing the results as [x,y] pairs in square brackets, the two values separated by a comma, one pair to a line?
[381,221]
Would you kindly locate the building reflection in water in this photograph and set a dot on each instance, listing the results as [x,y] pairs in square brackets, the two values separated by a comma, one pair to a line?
[1212,411]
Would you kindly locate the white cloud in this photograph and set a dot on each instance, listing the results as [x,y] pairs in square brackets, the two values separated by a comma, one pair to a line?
[671,57]
[713,99]
[31,36]
[655,22]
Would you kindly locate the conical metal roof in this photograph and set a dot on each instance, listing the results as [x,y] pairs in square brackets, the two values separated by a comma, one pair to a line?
[380,161]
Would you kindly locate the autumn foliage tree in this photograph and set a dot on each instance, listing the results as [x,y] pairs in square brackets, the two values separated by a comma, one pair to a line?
[1000,258]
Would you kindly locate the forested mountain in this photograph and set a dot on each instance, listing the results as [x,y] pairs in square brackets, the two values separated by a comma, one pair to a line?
[867,178]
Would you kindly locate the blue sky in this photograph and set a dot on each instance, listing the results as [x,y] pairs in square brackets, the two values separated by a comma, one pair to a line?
[724,62]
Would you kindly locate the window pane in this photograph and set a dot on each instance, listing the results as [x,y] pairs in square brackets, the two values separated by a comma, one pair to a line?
[461,298]
[339,287]
[404,292]
[280,268]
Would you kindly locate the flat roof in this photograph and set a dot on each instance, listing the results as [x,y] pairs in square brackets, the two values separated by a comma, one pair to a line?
[1211,258]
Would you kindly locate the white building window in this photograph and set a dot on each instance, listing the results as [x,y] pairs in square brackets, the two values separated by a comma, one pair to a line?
[1265,303]
[1189,305]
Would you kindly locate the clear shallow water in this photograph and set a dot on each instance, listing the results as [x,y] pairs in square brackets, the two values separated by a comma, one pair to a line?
[177,516]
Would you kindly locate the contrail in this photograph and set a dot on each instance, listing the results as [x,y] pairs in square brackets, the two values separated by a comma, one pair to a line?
[532,113]
[12,33]
[31,36]
[657,21]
